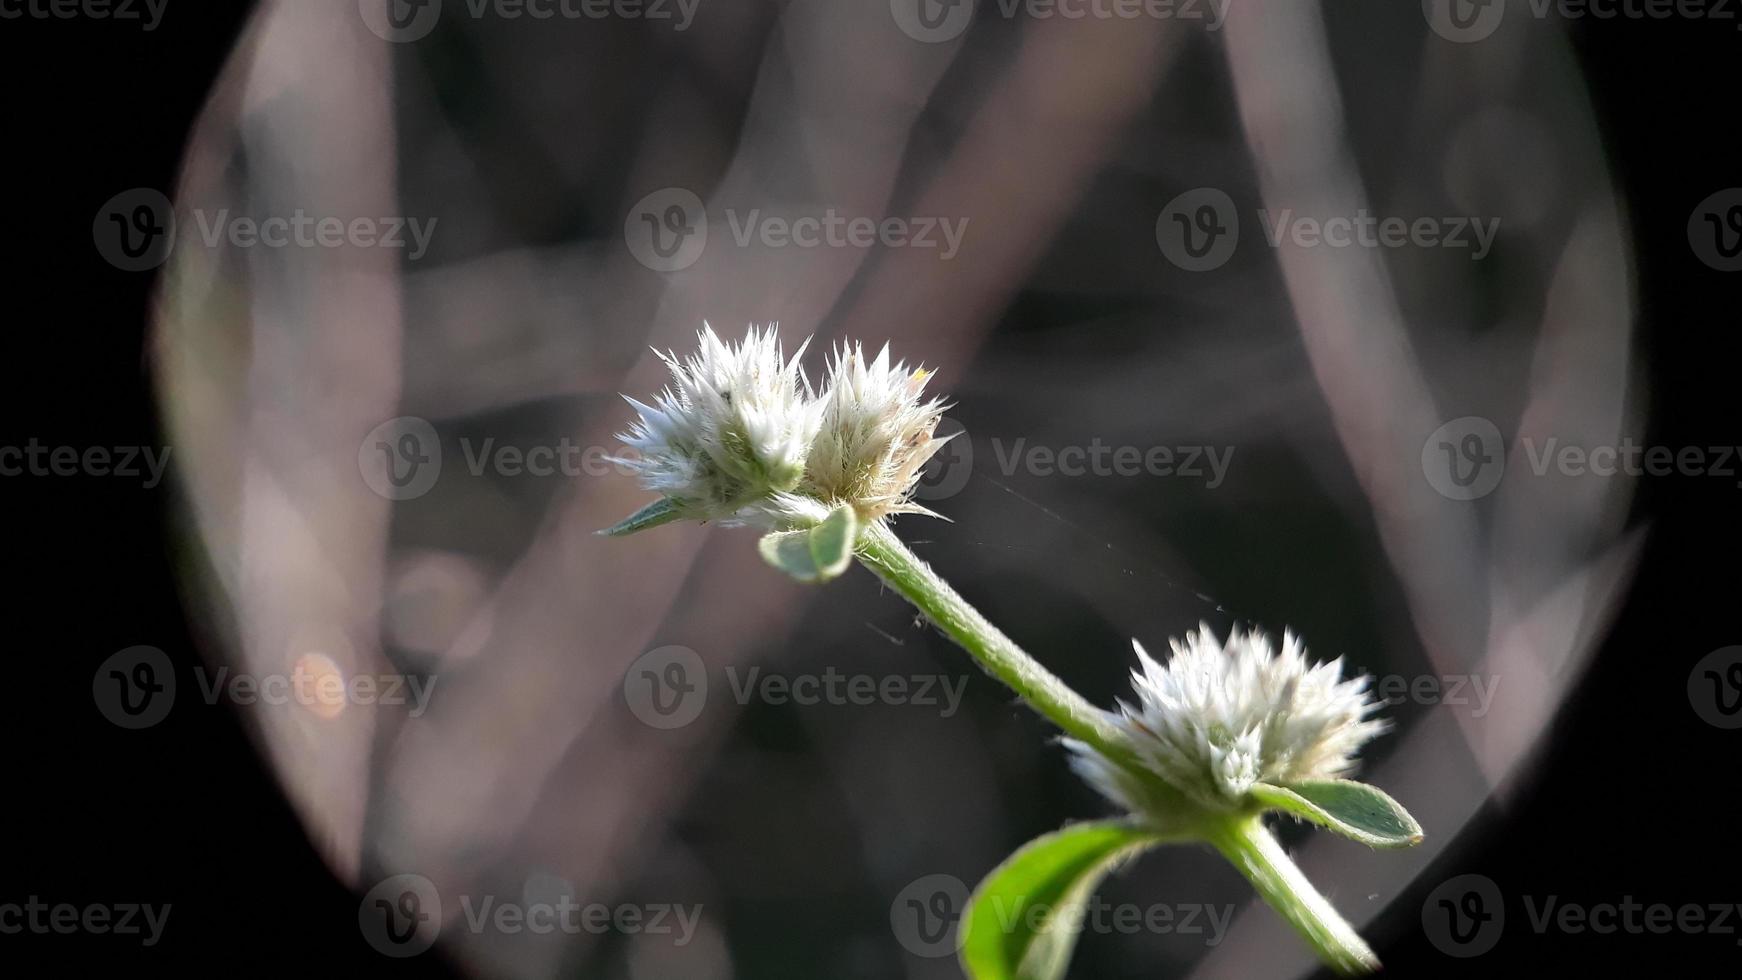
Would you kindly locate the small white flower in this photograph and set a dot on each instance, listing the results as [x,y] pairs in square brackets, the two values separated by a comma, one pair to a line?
[877,432]
[727,439]
[740,437]
[1216,719]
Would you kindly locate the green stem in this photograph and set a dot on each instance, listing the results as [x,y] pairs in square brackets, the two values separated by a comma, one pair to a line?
[884,553]
[1241,838]
[1246,843]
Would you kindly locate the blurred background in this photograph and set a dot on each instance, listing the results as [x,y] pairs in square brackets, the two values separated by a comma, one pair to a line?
[1273,316]
[1074,223]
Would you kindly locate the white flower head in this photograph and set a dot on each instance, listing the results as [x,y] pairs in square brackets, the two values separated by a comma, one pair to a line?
[1215,719]
[730,434]
[740,437]
[876,434]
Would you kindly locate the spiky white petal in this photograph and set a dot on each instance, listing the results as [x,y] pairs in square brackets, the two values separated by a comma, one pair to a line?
[730,431]
[1217,718]
[876,434]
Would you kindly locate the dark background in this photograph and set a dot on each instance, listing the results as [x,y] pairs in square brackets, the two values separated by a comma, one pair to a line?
[1632,798]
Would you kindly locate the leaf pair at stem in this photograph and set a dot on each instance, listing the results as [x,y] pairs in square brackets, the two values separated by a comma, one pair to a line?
[1023,921]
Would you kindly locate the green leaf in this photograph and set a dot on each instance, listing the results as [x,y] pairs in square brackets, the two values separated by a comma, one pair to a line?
[814,554]
[790,551]
[1023,920]
[661,511]
[831,542]
[1355,810]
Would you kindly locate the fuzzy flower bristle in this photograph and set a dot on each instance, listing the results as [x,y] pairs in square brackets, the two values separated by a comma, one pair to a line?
[731,431]
[1217,718]
[739,436]
[876,434]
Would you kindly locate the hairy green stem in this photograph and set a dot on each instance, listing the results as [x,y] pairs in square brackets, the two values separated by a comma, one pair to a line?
[1245,842]
[884,553]
[1241,838]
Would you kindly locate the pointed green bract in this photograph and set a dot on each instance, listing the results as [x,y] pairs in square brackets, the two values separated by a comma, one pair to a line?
[1355,810]
[1022,922]
[661,511]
